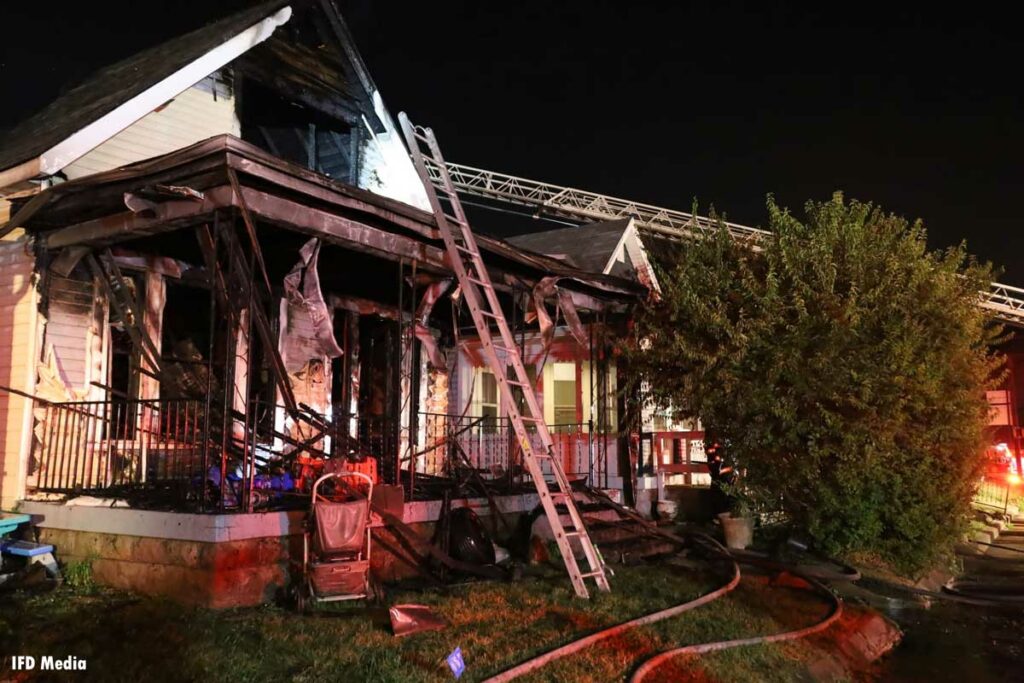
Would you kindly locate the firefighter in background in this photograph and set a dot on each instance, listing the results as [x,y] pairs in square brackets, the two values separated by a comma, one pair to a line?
[721,474]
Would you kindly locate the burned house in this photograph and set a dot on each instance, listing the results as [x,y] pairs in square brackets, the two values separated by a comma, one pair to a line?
[220,281]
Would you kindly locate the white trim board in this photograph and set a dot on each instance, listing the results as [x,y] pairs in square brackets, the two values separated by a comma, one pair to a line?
[225,528]
[166,525]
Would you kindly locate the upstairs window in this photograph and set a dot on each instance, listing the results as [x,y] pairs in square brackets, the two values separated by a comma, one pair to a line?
[297,133]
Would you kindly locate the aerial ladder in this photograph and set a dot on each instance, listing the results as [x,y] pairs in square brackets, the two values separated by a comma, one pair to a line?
[1005,302]
[501,352]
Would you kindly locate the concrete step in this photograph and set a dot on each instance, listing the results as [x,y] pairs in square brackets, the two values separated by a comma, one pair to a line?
[1012,533]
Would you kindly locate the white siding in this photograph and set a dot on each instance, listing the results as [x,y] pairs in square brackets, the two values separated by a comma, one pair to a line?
[192,116]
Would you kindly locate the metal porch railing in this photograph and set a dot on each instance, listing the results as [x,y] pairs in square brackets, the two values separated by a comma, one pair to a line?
[489,445]
[103,446]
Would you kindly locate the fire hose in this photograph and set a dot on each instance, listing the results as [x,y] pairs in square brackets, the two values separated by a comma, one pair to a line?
[659,659]
[577,645]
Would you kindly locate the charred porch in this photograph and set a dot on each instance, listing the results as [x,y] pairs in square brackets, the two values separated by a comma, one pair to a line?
[223,325]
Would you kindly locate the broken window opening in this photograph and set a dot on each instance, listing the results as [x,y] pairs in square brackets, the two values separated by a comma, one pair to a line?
[123,377]
[298,133]
[185,339]
[379,393]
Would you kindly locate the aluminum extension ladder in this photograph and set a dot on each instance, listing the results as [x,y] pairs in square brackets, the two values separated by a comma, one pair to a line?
[486,310]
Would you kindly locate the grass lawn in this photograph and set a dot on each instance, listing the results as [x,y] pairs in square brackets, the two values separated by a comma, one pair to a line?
[125,637]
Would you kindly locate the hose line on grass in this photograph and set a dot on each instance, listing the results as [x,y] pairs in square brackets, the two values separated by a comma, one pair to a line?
[659,659]
[577,645]
[718,549]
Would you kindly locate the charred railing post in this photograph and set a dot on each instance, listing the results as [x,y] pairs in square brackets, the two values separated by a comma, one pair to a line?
[590,452]
[202,234]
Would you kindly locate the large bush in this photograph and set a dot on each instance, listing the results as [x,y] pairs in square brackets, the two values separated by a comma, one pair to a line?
[842,362]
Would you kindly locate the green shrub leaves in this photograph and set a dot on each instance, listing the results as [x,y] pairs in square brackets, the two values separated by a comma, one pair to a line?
[845,365]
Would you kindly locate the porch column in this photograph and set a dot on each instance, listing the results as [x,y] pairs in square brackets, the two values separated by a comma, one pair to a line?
[239,397]
[155,294]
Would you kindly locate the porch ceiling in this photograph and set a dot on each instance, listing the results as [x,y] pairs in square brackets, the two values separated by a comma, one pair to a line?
[92,211]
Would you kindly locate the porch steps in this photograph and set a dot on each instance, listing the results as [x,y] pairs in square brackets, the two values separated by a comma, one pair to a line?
[621,539]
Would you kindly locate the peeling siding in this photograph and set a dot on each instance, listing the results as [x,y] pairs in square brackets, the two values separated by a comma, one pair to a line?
[192,116]
[69,322]
[309,370]
[18,319]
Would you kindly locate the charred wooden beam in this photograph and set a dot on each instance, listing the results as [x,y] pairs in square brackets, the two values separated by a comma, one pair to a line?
[244,281]
[362,306]
[173,215]
[327,190]
[250,229]
[165,217]
[340,230]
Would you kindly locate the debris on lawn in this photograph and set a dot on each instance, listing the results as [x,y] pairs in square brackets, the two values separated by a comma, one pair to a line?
[409,619]
[456,663]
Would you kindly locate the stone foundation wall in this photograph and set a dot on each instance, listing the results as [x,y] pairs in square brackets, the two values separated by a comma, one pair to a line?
[226,574]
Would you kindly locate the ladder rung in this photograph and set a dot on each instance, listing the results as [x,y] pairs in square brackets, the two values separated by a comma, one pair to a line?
[569,534]
[599,572]
[467,250]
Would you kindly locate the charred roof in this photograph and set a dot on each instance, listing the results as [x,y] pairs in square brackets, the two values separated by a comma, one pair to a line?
[312,54]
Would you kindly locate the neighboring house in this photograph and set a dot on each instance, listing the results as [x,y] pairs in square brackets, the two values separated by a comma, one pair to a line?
[617,247]
[217,267]
[610,247]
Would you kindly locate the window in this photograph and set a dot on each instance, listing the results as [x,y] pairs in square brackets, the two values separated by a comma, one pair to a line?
[486,401]
[488,395]
[531,374]
[610,398]
[298,133]
[564,394]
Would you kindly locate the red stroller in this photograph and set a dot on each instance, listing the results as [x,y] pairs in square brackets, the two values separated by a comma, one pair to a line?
[336,546]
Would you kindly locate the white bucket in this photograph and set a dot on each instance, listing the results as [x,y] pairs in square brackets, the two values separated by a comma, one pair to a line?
[667,509]
[739,531]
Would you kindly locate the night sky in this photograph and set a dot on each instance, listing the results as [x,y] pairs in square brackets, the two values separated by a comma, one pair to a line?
[916,110]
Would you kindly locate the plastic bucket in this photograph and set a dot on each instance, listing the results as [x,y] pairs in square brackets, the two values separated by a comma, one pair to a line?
[739,531]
